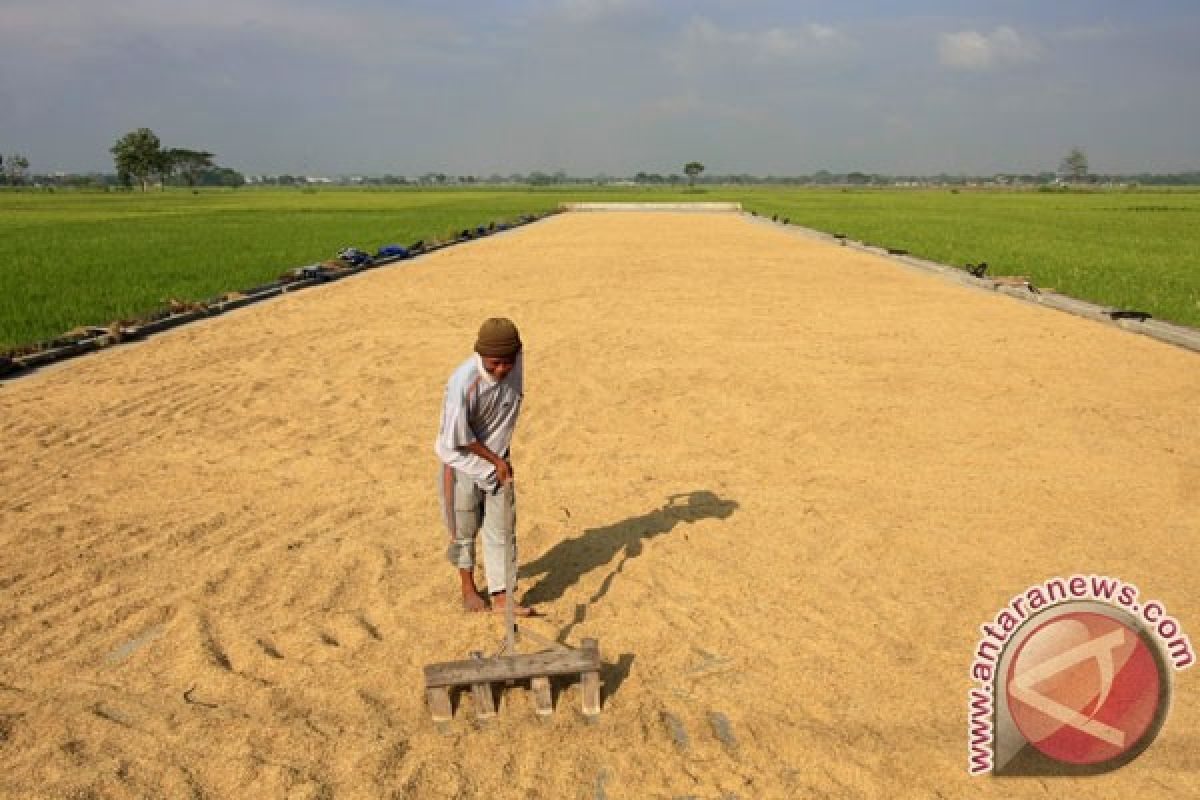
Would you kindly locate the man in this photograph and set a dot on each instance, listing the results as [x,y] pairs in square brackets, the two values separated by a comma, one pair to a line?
[479,415]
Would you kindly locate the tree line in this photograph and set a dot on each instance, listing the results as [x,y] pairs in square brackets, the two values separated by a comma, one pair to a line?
[140,155]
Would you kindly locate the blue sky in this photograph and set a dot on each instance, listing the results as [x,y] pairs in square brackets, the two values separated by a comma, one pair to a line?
[606,86]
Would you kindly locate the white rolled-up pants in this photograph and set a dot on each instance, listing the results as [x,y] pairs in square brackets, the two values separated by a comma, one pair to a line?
[469,511]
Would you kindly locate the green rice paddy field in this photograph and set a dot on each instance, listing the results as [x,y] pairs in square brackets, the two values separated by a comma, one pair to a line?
[69,259]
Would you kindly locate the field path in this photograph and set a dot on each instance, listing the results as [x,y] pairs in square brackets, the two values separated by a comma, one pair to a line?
[783,483]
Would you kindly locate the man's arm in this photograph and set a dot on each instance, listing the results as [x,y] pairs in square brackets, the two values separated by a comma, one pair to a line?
[503,469]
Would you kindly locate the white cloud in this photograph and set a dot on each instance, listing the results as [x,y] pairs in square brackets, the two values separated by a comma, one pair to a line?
[972,50]
[702,43]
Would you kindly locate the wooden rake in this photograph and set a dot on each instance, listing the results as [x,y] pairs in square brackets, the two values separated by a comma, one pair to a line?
[508,666]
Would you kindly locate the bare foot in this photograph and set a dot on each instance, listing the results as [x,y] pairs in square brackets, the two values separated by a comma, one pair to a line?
[499,604]
[473,602]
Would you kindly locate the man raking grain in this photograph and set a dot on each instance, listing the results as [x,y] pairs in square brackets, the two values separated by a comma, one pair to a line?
[479,414]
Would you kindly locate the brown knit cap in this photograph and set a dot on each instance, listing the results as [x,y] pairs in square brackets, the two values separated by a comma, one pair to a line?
[498,338]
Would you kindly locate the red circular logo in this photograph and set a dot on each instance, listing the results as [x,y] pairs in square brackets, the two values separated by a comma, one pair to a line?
[1084,688]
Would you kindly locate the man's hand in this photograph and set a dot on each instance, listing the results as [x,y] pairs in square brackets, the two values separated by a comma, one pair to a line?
[504,472]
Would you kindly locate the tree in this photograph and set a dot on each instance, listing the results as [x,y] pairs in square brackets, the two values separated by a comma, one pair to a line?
[15,167]
[1075,165]
[226,177]
[189,163]
[230,178]
[138,154]
[693,168]
[164,165]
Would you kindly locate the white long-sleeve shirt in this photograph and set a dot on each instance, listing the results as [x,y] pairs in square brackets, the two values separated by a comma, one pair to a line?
[479,408]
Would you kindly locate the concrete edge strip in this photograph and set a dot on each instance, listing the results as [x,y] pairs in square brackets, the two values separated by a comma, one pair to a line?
[13,368]
[704,207]
[1167,332]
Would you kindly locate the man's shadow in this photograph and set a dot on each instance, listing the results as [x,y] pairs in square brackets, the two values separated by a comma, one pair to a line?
[563,565]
